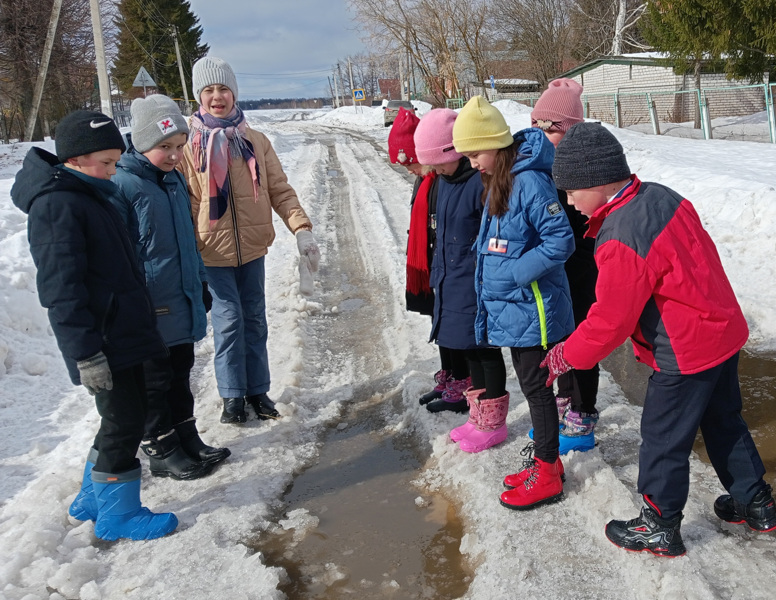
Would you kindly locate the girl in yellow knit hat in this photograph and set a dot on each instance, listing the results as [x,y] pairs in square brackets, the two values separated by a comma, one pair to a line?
[523,298]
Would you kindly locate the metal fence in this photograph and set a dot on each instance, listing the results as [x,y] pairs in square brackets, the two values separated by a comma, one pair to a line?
[691,113]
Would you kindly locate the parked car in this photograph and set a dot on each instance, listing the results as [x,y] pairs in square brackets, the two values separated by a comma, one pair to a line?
[391,110]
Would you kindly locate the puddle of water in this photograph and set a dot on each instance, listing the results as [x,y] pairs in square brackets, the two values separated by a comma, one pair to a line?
[374,538]
[351,304]
[757,375]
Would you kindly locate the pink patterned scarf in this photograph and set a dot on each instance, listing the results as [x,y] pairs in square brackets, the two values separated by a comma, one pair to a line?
[214,143]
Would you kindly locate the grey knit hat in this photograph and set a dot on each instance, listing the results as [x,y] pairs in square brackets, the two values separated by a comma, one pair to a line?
[588,156]
[154,119]
[86,131]
[210,70]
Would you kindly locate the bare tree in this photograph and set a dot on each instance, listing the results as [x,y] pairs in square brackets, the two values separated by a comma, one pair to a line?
[607,27]
[628,14]
[443,38]
[539,30]
[70,80]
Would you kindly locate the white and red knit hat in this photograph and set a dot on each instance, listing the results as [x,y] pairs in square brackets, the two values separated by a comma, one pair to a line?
[559,107]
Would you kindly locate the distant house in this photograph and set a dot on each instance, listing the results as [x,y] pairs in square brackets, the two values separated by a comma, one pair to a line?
[390,88]
[506,88]
[632,76]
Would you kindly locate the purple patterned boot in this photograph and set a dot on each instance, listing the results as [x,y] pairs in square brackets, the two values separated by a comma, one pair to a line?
[452,398]
[491,426]
[441,378]
[472,396]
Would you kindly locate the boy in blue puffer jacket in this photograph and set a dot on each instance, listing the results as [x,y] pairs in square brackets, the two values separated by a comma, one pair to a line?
[154,204]
[99,309]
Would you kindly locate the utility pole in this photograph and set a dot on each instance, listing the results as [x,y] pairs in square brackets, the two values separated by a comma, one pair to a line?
[335,100]
[99,51]
[180,68]
[401,79]
[342,83]
[37,94]
[350,72]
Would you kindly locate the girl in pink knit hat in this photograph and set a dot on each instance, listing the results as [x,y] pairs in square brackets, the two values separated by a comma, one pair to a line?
[459,209]
[422,235]
[556,111]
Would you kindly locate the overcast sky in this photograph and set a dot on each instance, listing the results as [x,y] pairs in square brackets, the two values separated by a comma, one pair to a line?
[279,48]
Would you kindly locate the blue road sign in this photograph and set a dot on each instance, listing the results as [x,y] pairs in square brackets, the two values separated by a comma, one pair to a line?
[492,82]
[358,95]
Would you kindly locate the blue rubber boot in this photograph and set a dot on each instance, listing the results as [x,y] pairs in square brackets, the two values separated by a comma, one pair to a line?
[119,512]
[580,443]
[84,507]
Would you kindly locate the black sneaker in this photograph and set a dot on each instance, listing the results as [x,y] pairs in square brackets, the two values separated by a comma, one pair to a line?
[648,532]
[234,411]
[759,514]
[263,406]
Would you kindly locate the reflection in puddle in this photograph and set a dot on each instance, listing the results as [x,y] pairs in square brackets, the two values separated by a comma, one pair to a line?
[357,527]
[757,375]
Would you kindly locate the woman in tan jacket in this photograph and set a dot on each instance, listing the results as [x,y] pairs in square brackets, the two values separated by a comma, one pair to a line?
[236,181]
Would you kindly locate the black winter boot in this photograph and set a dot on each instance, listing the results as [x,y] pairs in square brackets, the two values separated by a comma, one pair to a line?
[648,532]
[759,514]
[264,407]
[234,411]
[168,459]
[193,445]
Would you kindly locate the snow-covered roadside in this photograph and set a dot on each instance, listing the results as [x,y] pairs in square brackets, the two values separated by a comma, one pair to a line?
[557,552]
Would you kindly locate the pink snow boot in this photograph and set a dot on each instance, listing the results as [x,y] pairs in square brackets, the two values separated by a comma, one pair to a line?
[472,397]
[491,425]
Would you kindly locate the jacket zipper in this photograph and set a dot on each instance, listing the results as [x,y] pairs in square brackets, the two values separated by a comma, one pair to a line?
[233,210]
[542,314]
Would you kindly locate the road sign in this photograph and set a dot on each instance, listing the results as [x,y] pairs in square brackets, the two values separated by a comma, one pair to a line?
[143,79]
[358,95]
[492,82]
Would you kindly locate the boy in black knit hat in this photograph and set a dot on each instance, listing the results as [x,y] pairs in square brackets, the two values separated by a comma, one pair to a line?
[88,279]
[661,282]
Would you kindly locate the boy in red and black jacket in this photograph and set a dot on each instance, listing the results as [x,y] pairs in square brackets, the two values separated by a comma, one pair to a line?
[662,284]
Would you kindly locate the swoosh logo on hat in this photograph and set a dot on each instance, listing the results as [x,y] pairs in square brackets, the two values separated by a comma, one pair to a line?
[95,124]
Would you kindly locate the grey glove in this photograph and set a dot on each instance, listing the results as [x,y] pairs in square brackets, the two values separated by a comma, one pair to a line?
[95,373]
[308,249]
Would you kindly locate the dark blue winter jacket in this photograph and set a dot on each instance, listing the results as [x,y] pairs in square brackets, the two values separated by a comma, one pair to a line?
[522,292]
[155,206]
[459,211]
[88,277]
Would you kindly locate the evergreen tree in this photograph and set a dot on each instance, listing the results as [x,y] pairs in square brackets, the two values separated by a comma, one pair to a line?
[737,35]
[145,39]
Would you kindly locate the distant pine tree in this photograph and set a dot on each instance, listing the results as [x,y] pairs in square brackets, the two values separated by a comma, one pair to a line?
[738,36]
[145,39]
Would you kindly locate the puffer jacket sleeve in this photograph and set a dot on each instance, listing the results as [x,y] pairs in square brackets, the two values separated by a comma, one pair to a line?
[625,284]
[281,195]
[58,246]
[545,214]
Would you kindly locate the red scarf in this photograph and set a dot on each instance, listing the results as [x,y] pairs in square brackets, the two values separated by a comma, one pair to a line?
[418,271]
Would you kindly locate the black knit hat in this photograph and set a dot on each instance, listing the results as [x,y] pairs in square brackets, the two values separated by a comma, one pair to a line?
[588,156]
[85,131]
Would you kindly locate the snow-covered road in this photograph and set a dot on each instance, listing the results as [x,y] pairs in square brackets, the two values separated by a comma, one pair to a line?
[352,335]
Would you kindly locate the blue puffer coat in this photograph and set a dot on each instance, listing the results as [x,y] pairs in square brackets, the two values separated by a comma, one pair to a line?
[155,206]
[459,211]
[88,277]
[523,297]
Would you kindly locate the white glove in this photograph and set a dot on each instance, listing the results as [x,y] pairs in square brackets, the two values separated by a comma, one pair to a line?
[308,249]
[95,373]
[306,281]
